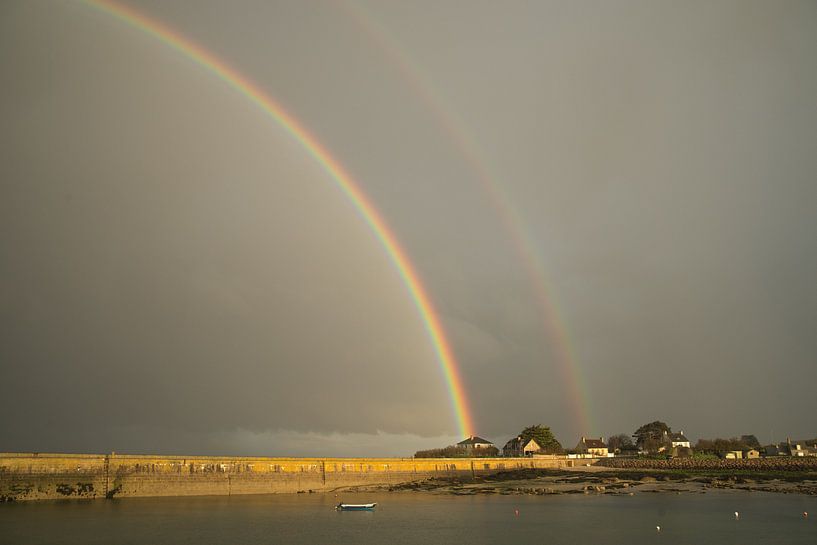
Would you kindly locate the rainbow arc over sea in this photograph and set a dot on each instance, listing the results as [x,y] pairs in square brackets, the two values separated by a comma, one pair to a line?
[269,106]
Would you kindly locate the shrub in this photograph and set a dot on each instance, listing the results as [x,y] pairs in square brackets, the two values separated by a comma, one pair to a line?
[457,452]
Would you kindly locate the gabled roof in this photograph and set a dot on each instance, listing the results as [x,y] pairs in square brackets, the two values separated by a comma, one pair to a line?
[593,443]
[517,443]
[795,447]
[679,438]
[513,443]
[473,440]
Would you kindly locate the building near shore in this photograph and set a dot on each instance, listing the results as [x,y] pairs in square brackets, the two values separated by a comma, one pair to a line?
[773,450]
[519,447]
[799,448]
[679,440]
[593,447]
[474,442]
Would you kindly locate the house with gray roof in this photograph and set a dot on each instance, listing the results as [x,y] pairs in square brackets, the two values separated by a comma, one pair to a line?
[519,447]
[679,440]
[474,442]
[594,447]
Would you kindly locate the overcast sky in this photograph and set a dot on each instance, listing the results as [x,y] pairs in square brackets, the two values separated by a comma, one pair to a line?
[177,275]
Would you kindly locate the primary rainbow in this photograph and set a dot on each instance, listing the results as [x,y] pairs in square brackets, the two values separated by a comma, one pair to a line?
[566,361]
[251,91]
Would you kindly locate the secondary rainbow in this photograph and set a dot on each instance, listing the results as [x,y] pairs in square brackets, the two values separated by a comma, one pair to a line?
[342,179]
[567,363]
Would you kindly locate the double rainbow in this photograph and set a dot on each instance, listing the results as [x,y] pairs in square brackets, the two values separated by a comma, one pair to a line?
[342,179]
[577,393]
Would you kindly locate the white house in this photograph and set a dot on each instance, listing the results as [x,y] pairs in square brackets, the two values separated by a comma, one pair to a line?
[594,447]
[474,442]
[679,440]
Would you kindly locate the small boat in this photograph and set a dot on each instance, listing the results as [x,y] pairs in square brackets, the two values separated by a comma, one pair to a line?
[355,506]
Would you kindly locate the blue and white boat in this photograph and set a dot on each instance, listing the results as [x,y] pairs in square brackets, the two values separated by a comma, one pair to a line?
[355,506]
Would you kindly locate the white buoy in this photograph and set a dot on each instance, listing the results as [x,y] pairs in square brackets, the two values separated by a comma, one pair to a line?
[737,515]
[805,514]
[657,528]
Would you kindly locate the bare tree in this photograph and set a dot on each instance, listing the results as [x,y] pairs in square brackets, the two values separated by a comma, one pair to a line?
[616,442]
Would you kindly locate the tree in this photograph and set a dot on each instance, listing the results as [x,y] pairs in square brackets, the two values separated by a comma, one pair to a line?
[750,441]
[705,446]
[457,452]
[617,442]
[721,446]
[650,435]
[651,445]
[543,437]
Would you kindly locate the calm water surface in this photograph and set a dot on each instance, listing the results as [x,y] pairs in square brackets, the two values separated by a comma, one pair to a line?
[418,518]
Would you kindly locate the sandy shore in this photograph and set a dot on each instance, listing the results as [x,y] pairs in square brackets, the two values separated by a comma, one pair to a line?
[604,480]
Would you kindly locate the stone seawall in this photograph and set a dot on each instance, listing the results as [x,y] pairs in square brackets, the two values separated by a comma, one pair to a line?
[777,463]
[29,476]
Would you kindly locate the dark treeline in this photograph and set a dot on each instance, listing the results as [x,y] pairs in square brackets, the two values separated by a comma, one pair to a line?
[457,452]
[721,446]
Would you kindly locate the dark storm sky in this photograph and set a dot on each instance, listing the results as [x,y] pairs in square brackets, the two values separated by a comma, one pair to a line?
[177,275]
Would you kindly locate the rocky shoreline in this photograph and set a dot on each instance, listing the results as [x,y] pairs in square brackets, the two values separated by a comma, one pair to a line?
[755,465]
[602,480]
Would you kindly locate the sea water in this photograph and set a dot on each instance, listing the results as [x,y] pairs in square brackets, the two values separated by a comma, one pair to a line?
[688,518]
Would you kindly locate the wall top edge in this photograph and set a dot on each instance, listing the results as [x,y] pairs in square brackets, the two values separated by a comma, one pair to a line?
[53,455]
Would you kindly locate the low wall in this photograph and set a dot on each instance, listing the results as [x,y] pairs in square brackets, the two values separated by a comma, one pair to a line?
[29,476]
[776,463]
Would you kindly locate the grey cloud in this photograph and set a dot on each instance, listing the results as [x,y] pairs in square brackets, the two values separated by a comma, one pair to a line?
[177,274]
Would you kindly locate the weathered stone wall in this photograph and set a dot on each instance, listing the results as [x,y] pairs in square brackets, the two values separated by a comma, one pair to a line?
[26,476]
